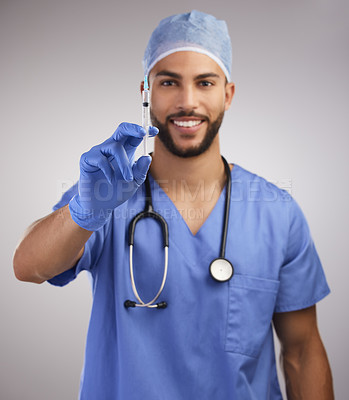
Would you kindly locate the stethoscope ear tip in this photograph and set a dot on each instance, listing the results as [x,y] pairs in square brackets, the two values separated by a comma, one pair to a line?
[133,304]
[162,304]
[129,303]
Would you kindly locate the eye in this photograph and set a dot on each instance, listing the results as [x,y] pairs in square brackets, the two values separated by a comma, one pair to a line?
[205,83]
[168,83]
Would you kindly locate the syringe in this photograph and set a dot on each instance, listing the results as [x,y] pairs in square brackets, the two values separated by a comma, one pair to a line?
[146,113]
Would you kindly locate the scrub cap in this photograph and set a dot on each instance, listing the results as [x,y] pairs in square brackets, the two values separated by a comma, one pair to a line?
[194,31]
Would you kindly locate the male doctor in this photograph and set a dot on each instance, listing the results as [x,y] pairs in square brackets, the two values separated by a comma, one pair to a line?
[214,339]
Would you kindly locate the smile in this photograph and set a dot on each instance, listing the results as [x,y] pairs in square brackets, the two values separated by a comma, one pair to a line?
[187,124]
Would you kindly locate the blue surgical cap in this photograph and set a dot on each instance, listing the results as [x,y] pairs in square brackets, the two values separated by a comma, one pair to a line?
[194,31]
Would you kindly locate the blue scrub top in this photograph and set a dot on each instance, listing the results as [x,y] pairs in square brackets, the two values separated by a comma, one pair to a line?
[214,340]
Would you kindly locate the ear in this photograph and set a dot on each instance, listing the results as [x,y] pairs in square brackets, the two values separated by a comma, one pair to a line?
[229,94]
[142,86]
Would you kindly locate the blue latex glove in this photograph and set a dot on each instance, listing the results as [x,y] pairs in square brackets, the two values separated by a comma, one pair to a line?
[109,176]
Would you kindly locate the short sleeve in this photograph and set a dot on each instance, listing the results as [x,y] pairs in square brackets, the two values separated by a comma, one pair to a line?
[92,250]
[67,196]
[302,279]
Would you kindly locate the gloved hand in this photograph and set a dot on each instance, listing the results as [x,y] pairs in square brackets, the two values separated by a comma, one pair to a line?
[109,176]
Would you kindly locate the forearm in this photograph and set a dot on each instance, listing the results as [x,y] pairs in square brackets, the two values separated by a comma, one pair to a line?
[307,373]
[49,247]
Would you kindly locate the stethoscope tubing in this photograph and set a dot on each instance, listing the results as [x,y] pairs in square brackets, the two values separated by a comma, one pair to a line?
[225,271]
[147,213]
[227,208]
[150,304]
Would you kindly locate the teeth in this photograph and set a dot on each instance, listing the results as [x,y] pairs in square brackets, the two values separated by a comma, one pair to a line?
[187,124]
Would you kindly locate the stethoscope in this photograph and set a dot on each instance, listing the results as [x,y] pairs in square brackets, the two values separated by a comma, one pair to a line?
[221,269]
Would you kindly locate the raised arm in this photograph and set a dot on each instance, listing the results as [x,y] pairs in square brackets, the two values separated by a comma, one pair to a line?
[303,356]
[108,177]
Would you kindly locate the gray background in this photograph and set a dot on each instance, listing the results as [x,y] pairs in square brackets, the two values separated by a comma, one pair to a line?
[70,73]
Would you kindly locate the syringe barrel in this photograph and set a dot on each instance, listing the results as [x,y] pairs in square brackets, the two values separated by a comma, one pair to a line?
[146,97]
[146,109]
[146,118]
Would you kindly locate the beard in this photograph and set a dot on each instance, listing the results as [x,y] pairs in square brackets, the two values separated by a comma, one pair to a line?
[165,136]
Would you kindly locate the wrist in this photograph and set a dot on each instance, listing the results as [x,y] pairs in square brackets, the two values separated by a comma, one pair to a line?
[91,218]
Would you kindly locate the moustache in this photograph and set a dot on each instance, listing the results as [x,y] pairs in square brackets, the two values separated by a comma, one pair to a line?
[186,114]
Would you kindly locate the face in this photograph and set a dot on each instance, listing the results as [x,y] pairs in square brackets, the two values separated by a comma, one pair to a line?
[189,96]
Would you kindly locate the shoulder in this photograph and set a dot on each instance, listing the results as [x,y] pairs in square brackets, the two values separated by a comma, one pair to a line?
[256,189]
[264,203]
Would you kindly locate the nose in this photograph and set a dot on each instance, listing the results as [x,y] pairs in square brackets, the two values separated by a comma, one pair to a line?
[187,98]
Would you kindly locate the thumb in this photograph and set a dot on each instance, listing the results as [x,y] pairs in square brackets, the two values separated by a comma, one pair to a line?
[140,169]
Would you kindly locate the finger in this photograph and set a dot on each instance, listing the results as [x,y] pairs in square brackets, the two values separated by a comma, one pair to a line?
[130,136]
[123,162]
[140,169]
[118,157]
[132,143]
[93,161]
[153,131]
[127,130]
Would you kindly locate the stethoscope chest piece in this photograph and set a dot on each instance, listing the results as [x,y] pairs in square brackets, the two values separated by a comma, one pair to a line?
[221,269]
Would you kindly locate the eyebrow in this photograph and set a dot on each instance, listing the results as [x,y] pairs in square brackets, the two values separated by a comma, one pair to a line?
[168,73]
[207,75]
[178,76]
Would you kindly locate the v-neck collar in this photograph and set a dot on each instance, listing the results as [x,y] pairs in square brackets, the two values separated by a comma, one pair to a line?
[205,245]
[218,208]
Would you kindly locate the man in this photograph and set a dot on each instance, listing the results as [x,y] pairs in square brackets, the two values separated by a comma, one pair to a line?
[207,339]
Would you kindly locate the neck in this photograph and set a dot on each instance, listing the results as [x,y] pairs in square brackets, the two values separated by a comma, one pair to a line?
[207,167]
[193,184]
